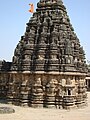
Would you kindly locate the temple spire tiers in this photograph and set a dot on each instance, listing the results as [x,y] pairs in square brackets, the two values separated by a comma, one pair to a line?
[47,4]
[48,68]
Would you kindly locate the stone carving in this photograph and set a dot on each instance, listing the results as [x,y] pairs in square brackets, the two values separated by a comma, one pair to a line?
[49,48]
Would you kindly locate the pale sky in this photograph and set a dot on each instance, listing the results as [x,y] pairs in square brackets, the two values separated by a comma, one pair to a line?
[14,15]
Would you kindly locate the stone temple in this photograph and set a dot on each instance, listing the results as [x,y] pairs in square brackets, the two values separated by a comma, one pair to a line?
[48,68]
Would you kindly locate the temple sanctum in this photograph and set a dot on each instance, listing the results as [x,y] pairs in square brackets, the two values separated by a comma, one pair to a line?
[48,68]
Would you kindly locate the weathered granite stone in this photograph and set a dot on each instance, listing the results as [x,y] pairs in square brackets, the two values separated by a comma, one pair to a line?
[6,110]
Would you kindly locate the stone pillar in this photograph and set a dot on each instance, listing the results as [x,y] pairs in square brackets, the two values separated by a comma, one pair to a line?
[25,88]
[51,94]
[59,96]
[3,85]
[37,93]
[16,88]
[81,97]
[69,98]
[10,89]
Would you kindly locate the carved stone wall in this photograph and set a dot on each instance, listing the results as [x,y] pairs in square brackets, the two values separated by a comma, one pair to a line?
[44,90]
[48,68]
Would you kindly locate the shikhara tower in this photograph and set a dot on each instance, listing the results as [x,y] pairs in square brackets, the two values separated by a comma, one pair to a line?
[48,67]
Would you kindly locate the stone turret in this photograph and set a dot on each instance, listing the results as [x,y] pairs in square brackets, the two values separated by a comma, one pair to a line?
[49,60]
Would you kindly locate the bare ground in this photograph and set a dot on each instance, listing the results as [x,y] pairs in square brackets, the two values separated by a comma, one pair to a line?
[22,113]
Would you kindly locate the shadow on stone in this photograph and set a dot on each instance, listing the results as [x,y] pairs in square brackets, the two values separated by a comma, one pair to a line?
[3,101]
